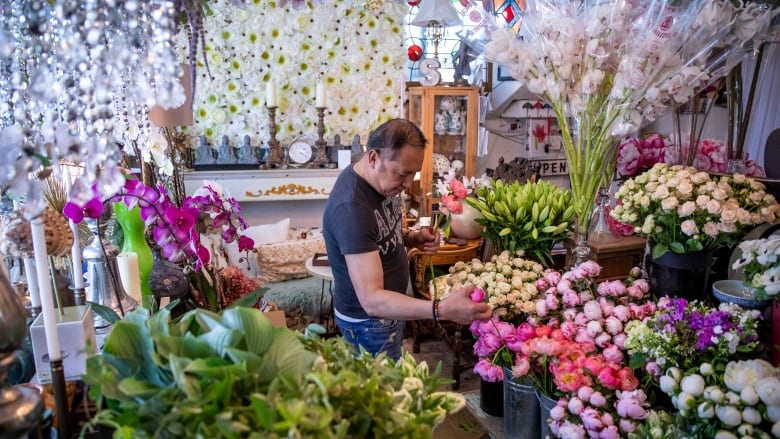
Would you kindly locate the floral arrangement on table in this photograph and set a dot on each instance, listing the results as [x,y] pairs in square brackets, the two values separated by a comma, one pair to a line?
[532,216]
[612,66]
[760,265]
[175,231]
[295,45]
[234,375]
[682,209]
[452,191]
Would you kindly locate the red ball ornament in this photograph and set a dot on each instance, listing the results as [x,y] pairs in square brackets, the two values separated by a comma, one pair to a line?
[413,2]
[414,52]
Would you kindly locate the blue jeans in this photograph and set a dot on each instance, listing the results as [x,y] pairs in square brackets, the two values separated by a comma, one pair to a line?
[375,335]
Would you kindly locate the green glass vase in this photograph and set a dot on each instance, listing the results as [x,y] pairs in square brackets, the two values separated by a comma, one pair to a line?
[135,241]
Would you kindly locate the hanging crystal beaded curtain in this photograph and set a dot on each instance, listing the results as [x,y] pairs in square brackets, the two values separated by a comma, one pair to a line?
[67,68]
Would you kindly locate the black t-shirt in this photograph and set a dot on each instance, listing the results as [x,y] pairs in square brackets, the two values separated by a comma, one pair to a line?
[358,219]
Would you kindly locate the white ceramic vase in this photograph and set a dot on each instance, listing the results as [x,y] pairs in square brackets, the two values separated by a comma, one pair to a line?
[463,225]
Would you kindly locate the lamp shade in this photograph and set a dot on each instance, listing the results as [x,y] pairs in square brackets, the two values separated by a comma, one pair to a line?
[179,116]
[440,11]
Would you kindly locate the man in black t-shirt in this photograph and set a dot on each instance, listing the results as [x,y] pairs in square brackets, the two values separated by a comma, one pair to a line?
[362,227]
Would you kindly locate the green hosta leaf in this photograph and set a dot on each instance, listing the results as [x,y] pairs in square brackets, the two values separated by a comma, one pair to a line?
[258,330]
[220,338]
[252,360]
[288,352]
[132,342]
[136,388]
[214,367]
[187,346]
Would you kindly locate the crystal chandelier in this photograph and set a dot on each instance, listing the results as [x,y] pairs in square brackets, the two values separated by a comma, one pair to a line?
[69,71]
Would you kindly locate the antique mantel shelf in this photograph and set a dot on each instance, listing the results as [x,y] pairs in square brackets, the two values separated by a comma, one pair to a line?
[268,185]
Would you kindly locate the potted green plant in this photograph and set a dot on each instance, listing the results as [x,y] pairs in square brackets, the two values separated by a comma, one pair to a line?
[234,375]
[532,216]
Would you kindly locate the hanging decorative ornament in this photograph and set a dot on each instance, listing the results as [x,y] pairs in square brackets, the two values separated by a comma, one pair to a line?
[414,52]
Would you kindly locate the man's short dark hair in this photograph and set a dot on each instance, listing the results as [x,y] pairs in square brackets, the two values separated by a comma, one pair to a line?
[389,137]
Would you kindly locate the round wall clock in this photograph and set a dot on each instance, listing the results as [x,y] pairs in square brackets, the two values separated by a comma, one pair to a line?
[301,150]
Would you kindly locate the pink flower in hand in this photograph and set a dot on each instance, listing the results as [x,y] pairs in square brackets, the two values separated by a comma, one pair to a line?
[478,295]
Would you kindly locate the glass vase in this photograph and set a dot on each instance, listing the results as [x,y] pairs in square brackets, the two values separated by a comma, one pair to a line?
[599,230]
[580,251]
[134,241]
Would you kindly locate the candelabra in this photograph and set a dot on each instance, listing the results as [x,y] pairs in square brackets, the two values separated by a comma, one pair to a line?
[276,155]
[322,160]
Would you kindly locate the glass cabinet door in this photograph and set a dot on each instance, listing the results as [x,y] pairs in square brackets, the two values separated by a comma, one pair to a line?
[448,116]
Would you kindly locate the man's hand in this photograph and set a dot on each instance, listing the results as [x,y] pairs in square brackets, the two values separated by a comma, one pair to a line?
[458,307]
[426,241]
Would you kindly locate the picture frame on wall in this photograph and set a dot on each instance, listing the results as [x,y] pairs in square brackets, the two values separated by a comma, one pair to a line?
[502,75]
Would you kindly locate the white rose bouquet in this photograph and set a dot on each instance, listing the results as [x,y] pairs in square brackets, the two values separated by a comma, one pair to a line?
[685,210]
[760,265]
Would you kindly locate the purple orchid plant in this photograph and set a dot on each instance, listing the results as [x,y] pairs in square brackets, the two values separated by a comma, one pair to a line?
[175,228]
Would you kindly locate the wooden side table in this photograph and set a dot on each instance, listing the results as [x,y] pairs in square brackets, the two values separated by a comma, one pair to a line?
[616,258]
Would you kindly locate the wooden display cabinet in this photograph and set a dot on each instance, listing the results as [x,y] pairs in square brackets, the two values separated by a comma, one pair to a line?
[436,111]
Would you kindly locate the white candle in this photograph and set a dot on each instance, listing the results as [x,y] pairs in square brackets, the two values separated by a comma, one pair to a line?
[75,256]
[130,274]
[75,250]
[44,284]
[270,94]
[32,282]
[321,101]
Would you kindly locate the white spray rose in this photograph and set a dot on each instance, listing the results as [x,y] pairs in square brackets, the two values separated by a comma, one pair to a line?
[723,434]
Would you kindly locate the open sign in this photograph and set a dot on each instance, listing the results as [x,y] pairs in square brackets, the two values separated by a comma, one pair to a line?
[553,167]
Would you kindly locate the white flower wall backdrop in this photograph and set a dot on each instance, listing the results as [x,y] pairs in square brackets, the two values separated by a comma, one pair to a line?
[357,51]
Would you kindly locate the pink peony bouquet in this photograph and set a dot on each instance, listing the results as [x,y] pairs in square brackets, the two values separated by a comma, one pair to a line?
[636,155]
[572,347]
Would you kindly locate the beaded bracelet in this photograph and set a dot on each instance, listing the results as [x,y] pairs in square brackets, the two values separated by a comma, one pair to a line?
[435,310]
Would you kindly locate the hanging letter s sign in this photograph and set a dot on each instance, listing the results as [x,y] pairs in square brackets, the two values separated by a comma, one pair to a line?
[429,67]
